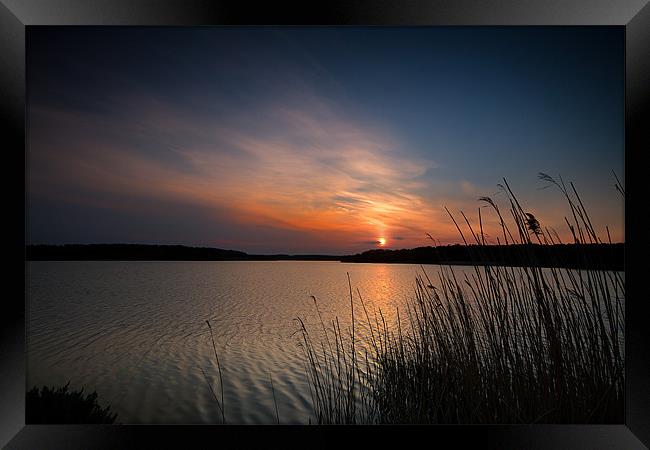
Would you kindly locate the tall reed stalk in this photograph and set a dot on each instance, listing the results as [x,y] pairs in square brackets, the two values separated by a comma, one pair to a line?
[496,344]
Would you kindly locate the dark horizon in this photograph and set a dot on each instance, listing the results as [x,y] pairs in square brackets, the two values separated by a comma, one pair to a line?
[604,256]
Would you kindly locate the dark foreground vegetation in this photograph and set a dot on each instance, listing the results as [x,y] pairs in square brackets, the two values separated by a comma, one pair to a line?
[61,405]
[496,345]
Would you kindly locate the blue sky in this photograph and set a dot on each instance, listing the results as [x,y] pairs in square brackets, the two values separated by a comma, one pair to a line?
[314,140]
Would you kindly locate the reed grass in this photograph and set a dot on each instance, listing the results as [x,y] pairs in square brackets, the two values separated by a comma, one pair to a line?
[496,344]
[220,404]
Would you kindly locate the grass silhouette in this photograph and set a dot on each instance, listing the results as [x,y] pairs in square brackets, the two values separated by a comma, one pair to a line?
[498,345]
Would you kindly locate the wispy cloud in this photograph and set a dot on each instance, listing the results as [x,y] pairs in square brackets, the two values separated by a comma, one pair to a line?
[301,167]
[306,167]
[296,140]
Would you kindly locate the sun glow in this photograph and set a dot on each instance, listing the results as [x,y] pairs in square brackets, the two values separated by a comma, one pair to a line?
[381,241]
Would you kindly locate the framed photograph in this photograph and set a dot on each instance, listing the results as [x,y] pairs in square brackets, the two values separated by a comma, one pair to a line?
[308,224]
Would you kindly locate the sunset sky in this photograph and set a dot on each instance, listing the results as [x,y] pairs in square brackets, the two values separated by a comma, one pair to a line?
[315,140]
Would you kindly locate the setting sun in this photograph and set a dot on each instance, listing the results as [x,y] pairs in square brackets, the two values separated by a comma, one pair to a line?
[381,241]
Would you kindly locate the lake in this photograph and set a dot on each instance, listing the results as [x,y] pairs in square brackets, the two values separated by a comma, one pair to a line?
[136,331]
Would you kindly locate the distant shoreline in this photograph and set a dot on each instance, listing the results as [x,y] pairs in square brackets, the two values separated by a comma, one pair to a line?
[579,256]
[144,252]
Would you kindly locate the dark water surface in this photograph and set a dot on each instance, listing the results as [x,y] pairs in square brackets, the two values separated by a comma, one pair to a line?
[136,331]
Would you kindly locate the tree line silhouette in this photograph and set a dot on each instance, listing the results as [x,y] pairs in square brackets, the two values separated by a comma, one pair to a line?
[583,256]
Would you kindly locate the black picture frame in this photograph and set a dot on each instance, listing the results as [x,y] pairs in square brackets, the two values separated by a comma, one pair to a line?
[16,15]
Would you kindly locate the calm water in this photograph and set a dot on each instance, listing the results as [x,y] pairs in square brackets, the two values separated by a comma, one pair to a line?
[136,331]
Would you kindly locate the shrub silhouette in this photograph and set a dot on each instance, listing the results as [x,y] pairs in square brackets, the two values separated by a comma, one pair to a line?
[60,405]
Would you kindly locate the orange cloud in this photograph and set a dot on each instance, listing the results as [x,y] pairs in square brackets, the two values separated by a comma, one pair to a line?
[308,168]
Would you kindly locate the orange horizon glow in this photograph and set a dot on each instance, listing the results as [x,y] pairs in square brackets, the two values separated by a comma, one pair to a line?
[357,187]
[318,141]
